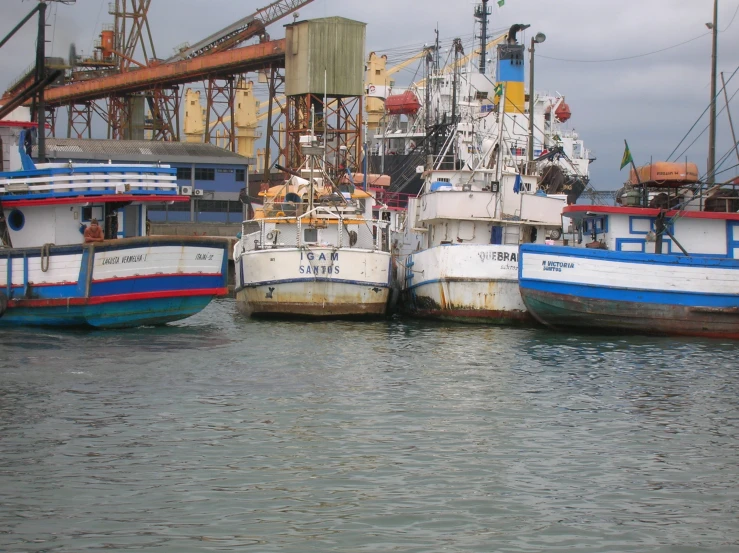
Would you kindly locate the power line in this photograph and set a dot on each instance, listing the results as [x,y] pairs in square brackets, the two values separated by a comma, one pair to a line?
[697,120]
[624,58]
[732,18]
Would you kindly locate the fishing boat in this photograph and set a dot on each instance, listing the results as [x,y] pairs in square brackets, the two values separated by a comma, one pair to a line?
[482,196]
[317,252]
[664,260]
[667,270]
[49,276]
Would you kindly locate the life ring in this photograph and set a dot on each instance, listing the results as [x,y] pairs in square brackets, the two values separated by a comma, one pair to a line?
[3,303]
[280,214]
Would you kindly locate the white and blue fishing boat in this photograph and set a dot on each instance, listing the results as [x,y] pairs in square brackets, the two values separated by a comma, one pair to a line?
[646,270]
[665,261]
[49,276]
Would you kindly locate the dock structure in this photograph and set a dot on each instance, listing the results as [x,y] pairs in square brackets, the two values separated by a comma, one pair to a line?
[324,85]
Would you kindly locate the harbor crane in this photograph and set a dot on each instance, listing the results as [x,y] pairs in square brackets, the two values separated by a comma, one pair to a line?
[107,77]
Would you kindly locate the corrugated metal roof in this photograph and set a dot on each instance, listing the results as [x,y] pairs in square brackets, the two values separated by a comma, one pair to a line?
[147,151]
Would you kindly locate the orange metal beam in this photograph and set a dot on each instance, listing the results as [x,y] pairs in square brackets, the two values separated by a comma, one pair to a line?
[239,60]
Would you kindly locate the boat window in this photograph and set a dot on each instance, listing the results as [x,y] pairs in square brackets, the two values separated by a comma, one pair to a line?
[90,212]
[16,220]
[596,225]
[310,235]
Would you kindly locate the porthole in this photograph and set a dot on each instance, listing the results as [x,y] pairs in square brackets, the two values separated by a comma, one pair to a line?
[16,220]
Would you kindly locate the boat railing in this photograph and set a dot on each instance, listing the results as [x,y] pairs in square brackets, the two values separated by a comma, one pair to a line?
[90,180]
[392,200]
[325,226]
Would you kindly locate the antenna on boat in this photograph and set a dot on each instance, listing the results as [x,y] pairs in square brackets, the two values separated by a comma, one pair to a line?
[710,177]
[312,157]
[325,107]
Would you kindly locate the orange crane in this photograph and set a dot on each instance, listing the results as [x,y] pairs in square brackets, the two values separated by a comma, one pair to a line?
[238,60]
[155,76]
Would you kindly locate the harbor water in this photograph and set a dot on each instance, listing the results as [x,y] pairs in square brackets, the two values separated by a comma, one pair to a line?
[222,433]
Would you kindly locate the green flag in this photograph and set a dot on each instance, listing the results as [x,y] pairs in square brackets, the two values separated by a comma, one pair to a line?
[499,89]
[501,2]
[626,159]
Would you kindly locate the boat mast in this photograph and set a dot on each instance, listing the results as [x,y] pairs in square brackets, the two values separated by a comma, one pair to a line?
[40,75]
[457,47]
[312,158]
[481,13]
[710,174]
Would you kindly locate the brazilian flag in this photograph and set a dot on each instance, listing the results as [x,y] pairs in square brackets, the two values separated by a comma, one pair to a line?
[499,89]
[626,159]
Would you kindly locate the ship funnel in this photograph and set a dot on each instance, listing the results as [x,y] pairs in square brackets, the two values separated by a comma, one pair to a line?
[513,30]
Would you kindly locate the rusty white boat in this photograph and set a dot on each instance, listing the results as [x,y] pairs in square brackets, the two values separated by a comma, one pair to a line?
[483,195]
[317,251]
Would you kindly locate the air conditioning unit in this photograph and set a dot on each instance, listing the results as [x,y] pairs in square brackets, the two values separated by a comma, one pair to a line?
[197,192]
[186,190]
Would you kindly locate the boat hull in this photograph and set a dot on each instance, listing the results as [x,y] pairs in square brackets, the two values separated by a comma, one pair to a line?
[631,292]
[114,284]
[321,282]
[465,283]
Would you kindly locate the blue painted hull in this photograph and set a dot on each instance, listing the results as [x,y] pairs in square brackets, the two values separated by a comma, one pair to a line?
[566,300]
[122,314]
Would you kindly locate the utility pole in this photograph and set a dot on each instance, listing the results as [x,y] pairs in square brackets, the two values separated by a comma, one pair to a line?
[538,39]
[710,173]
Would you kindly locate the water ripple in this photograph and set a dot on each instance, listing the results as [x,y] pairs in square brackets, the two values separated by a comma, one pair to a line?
[221,433]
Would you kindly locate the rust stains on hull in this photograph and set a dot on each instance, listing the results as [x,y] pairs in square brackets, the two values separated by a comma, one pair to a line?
[314,300]
[562,311]
[503,318]
[312,310]
[464,300]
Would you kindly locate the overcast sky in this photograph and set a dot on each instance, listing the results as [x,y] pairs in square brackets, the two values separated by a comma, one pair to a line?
[630,69]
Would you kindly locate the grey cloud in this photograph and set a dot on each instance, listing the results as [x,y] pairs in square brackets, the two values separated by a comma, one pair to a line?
[650,100]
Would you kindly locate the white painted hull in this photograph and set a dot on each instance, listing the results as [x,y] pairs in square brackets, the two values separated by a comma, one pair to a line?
[313,282]
[471,282]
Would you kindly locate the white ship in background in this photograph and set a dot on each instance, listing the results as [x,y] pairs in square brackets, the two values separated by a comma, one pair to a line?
[406,125]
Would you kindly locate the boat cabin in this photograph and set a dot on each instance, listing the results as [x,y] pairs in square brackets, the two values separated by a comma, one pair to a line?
[52,203]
